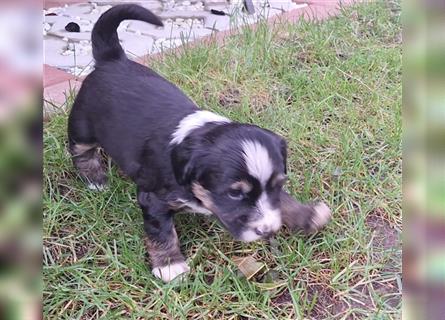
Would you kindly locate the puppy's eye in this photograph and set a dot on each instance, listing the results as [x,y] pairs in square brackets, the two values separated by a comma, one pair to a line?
[243,219]
[235,194]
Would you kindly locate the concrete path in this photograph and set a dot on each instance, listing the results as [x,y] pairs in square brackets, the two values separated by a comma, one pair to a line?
[185,20]
[68,55]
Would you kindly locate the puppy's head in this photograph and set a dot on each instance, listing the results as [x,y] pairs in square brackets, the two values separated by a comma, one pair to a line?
[237,172]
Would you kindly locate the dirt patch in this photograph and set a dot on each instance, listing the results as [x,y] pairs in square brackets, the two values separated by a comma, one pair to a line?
[230,97]
[385,236]
[370,290]
[260,101]
[309,57]
[66,253]
[81,250]
[386,249]
[66,190]
[283,298]
[325,301]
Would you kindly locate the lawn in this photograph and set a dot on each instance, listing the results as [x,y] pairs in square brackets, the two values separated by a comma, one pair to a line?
[333,90]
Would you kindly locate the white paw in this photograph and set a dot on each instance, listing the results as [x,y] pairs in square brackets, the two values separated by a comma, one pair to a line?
[322,215]
[96,187]
[171,271]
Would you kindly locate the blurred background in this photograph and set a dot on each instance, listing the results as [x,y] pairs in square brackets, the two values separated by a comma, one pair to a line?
[21,159]
[423,159]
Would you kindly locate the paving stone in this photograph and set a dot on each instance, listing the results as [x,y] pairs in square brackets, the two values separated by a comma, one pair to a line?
[56,54]
[97,10]
[184,20]
[57,10]
[185,6]
[73,36]
[216,6]
[59,23]
[153,5]
[174,25]
[140,27]
[215,2]
[80,71]
[267,12]
[191,28]
[77,9]
[135,45]
[191,34]
[218,23]
[161,44]
[58,29]
[53,48]
[51,19]
[173,14]
[285,6]
[88,14]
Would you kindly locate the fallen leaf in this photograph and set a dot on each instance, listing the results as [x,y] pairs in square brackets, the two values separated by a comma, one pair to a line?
[248,266]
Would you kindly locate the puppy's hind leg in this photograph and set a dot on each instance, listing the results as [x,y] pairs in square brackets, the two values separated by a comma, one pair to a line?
[162,242]
[87,160]
[84,151]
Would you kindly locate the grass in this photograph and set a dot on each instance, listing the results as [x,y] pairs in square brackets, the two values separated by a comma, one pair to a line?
[334,91]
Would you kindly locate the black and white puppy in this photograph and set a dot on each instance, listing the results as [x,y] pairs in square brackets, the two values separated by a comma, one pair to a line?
[180,157]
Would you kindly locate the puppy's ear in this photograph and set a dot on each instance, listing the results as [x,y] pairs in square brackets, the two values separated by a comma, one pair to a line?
[283,150]
[143,198]
[185,158]
[147,171]
[281,143]
[180,157]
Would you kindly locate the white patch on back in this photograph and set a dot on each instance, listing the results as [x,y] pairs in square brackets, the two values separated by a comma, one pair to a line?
[258,162]
[194,121]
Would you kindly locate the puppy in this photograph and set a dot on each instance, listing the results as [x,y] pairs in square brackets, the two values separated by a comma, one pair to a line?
[180,157]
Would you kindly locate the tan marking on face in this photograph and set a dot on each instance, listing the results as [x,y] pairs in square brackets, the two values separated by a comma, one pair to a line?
[203,195]
[242,185]
[278,179]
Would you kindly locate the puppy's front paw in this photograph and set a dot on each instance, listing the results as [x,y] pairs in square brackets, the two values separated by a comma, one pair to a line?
[321,216]
[169,272]
[306,217]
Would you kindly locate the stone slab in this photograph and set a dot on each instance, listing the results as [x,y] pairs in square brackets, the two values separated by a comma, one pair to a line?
[58,54]
[136,45]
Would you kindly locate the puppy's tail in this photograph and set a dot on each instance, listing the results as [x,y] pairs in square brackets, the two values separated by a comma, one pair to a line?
[104,37]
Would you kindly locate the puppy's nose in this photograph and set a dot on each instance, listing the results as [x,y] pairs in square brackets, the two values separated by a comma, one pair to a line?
[263,231]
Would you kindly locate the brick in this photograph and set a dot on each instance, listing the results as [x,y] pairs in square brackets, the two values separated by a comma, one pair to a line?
[52,75]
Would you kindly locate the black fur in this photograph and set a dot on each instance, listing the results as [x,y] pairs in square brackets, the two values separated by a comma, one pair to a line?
[104,37]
